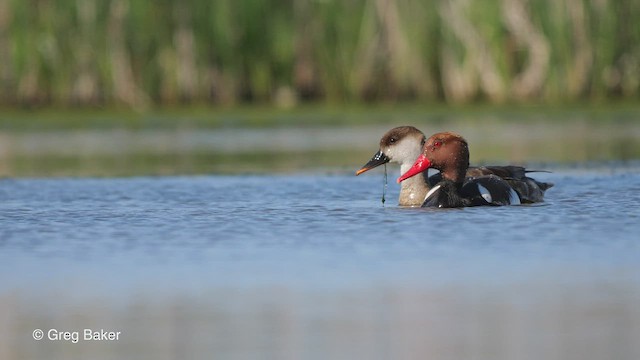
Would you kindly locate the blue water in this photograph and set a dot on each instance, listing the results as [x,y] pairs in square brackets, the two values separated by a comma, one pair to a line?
[314,266]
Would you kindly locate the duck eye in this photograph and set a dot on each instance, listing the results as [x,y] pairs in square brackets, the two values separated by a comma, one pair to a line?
[392,140]
[437,143]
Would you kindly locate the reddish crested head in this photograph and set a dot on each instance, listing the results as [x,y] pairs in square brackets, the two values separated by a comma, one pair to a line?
[447,152]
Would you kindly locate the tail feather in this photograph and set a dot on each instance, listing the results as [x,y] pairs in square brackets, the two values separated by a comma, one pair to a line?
[544,171]
[544,185]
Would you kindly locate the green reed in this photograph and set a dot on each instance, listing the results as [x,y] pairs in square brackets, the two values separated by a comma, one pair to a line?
[141,53]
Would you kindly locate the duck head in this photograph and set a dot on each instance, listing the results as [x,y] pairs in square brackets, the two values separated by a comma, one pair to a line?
[447,152]
[401,144]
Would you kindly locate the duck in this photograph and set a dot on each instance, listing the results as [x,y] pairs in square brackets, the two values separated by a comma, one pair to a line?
[448,152]
[404,144]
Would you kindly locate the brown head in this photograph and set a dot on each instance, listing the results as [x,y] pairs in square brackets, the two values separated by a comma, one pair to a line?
[447,152]
[402,144]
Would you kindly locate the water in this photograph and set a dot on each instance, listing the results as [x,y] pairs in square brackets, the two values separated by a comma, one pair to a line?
[313,266]
[303,141]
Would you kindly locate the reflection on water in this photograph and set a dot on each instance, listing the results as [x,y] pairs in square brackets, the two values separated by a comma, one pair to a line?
[121,152]
[291,267]
[521,321]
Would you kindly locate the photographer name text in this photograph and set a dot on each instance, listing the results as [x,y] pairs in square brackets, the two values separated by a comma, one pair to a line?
[77,336]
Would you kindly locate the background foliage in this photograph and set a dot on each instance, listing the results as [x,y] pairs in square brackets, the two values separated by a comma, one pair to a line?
[141,53]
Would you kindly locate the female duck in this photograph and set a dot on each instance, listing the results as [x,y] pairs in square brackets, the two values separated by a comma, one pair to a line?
[403,145]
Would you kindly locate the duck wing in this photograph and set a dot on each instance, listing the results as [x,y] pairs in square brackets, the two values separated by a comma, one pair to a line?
[529,190]
[488,190]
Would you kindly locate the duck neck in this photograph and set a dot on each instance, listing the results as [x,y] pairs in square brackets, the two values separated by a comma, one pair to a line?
[455,175]
[414,189]
[456,172]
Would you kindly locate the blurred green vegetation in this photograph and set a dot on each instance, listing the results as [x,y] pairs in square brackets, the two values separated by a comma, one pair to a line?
[50,142]
[144,53]
[153,164]
[265,116]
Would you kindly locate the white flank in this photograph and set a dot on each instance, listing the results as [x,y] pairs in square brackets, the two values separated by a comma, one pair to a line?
[486,195]
[514,198]
[431,192]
